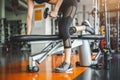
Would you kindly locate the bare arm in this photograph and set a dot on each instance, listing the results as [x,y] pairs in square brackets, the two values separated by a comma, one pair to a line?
[56,8]
[29,16]
[58,4]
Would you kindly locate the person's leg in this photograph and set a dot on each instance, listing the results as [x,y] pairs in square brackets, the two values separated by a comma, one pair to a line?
[65,65]
[67,55]
[64,24]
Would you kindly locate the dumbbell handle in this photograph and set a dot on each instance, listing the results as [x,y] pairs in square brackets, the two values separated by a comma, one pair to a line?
[46,13]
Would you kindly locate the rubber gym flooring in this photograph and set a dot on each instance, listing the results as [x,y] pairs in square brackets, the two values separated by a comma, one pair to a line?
[13,67]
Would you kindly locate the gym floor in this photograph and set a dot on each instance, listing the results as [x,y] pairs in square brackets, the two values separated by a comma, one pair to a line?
[13,67]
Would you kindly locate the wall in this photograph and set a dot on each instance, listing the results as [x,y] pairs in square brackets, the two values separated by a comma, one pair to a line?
[88,8]
[12,16]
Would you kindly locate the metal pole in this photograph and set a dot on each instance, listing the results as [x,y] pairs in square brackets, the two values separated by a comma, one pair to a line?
[109,25]
[96,19]
[106,24]
[107,56]
[84,8]
[2,10]
[118,32]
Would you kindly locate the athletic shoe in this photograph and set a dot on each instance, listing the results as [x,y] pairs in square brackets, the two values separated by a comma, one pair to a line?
[64,67]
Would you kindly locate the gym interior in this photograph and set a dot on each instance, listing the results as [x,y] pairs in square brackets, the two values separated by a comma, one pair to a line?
[34,57]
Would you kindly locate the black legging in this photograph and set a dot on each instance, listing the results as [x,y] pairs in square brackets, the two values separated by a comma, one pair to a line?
[68,10]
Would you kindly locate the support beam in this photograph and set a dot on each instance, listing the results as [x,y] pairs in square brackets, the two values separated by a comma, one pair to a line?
[2,9]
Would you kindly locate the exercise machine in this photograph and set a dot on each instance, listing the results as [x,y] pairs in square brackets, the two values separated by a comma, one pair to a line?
[54,46]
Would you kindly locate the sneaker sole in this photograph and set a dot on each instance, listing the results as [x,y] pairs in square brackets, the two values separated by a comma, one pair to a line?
[69,70]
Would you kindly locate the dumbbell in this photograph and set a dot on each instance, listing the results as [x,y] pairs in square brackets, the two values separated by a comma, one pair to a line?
[46,13]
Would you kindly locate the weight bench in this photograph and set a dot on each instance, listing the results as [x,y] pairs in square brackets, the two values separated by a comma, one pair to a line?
[54,46]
